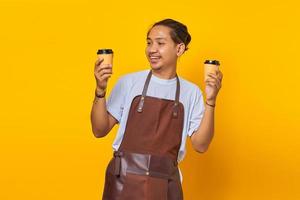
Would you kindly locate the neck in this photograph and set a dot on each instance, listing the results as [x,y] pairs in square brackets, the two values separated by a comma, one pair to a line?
[165,73]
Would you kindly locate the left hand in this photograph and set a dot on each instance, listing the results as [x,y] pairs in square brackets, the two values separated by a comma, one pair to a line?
[213,85]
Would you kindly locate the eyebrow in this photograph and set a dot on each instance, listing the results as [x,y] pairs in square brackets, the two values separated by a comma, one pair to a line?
[158,38]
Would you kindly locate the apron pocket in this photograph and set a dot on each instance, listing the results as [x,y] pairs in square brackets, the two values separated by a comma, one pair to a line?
[137,187]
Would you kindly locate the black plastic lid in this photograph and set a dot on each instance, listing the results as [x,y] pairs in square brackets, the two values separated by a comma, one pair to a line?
[105,51]
[213,62]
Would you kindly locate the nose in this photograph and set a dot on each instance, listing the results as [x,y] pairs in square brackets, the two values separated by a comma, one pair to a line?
[152,48]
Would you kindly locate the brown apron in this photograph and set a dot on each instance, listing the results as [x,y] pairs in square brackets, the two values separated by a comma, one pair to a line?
[145,166]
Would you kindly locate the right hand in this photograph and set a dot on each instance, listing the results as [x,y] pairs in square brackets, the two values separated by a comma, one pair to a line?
[102,73]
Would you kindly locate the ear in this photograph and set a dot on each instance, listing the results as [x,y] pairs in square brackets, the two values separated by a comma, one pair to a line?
[180,49]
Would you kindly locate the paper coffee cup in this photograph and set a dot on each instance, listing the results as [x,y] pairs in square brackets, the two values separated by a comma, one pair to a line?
[210,66]
[107,55]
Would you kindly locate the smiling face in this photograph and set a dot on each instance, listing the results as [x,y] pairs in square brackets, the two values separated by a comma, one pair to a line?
[161,50]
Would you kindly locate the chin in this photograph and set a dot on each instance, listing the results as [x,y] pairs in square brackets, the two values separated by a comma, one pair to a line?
[156,66]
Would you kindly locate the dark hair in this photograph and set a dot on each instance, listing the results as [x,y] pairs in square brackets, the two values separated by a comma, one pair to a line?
[179,32]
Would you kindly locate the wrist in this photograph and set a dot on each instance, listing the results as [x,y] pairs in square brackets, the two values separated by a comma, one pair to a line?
[99,93]
[211,103]
[100,90]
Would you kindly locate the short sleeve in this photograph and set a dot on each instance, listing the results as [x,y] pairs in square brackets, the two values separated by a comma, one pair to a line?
[197,111]
[116,100]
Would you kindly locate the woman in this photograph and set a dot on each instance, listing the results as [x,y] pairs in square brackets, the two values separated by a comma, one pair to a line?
[156,111]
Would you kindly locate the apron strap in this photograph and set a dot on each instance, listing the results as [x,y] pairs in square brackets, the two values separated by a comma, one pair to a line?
[117,155]
[141,103]
[176,104]
[142,100]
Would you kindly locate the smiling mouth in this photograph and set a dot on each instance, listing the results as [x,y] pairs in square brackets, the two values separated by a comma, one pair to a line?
[154,58]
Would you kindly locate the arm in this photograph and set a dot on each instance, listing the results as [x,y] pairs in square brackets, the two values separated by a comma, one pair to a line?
[102,121]
[204,135]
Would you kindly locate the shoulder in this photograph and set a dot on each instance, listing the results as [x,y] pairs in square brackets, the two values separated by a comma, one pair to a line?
[134,76]
[189,87]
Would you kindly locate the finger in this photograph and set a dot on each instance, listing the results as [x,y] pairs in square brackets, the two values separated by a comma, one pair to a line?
[105,77]
[214,77]
[102,66]
[106,66]
[213,84]
[99,61]
[105,71]
[99,75]
[220,75]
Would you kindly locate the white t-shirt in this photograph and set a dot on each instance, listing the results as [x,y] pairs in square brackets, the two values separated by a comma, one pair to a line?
[132,84]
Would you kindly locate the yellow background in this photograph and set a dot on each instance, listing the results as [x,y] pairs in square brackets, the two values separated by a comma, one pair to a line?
[48,49]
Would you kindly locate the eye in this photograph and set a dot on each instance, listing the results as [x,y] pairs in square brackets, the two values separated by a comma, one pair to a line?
[161,43]
[148,43]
